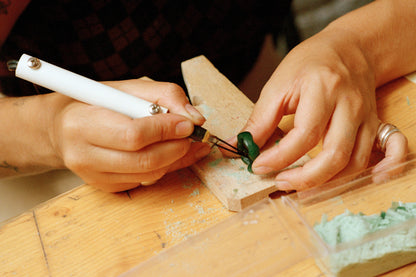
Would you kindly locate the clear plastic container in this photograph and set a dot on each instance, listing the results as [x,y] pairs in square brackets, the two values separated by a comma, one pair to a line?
[276,237]
[367,193]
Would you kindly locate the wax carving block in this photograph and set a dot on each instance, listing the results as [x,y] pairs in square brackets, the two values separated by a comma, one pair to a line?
[226,109]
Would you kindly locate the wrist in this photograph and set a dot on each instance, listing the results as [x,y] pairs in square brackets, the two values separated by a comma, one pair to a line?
[383,31]
[50,123]
[40,114]
[27,148]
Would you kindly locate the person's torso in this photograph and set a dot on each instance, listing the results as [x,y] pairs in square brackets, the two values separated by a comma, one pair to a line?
[122,39]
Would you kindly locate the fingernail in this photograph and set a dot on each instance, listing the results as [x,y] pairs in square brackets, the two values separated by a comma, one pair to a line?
[202,151]
[184,128]
[262,170]
[194,113]
[283,185]
[148,183]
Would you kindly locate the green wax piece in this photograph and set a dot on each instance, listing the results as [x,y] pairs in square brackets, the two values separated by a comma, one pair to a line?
[246,145]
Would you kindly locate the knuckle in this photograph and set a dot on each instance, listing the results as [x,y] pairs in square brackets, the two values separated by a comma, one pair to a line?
[146,161]
[330,78]
[311,135]
[70,126]
[340,157]
[360,162]
[76,163]
[160,130]
[356,104]
[173,90]
[165,131]
[131,137]
[157,129]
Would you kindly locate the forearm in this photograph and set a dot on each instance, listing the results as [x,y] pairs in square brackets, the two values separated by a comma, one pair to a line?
[25,142]
[384,32]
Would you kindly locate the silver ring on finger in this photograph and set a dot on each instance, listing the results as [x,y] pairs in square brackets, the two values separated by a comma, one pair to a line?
[385,130]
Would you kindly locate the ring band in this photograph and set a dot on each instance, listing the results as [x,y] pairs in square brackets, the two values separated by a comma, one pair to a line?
[385,130]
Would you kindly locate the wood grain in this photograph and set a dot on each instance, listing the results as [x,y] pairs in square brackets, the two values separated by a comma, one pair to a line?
[87,232]
[22,251]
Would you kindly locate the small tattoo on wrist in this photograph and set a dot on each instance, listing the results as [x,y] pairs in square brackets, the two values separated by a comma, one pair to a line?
[6,165]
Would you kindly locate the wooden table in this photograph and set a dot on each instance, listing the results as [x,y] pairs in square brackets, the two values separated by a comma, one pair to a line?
[86,232]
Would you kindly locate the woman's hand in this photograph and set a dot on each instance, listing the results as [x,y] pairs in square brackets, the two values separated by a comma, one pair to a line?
[330,87]
[114,152]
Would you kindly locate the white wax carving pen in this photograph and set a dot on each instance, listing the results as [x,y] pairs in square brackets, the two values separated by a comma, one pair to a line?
[83,89]
[94,93]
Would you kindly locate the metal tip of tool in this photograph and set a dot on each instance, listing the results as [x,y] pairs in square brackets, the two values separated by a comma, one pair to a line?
[230,148]
[201,134]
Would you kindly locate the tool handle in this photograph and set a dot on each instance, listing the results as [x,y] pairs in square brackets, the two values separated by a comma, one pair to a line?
[83,89]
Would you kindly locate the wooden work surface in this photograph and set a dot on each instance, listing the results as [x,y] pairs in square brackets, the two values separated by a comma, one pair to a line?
[86,232]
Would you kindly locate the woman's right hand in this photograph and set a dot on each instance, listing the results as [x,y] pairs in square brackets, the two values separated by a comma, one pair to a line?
[115,152]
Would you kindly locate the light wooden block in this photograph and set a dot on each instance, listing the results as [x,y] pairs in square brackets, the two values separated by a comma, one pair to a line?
[226,109]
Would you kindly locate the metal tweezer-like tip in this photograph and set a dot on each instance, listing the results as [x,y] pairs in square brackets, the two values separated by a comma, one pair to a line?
[201,134]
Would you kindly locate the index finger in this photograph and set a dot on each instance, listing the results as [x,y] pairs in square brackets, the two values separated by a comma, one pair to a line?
[168,95]
[123,133]
[311,120]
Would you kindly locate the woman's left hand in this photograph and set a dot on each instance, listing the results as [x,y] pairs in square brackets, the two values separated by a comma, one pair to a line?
[331,90]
